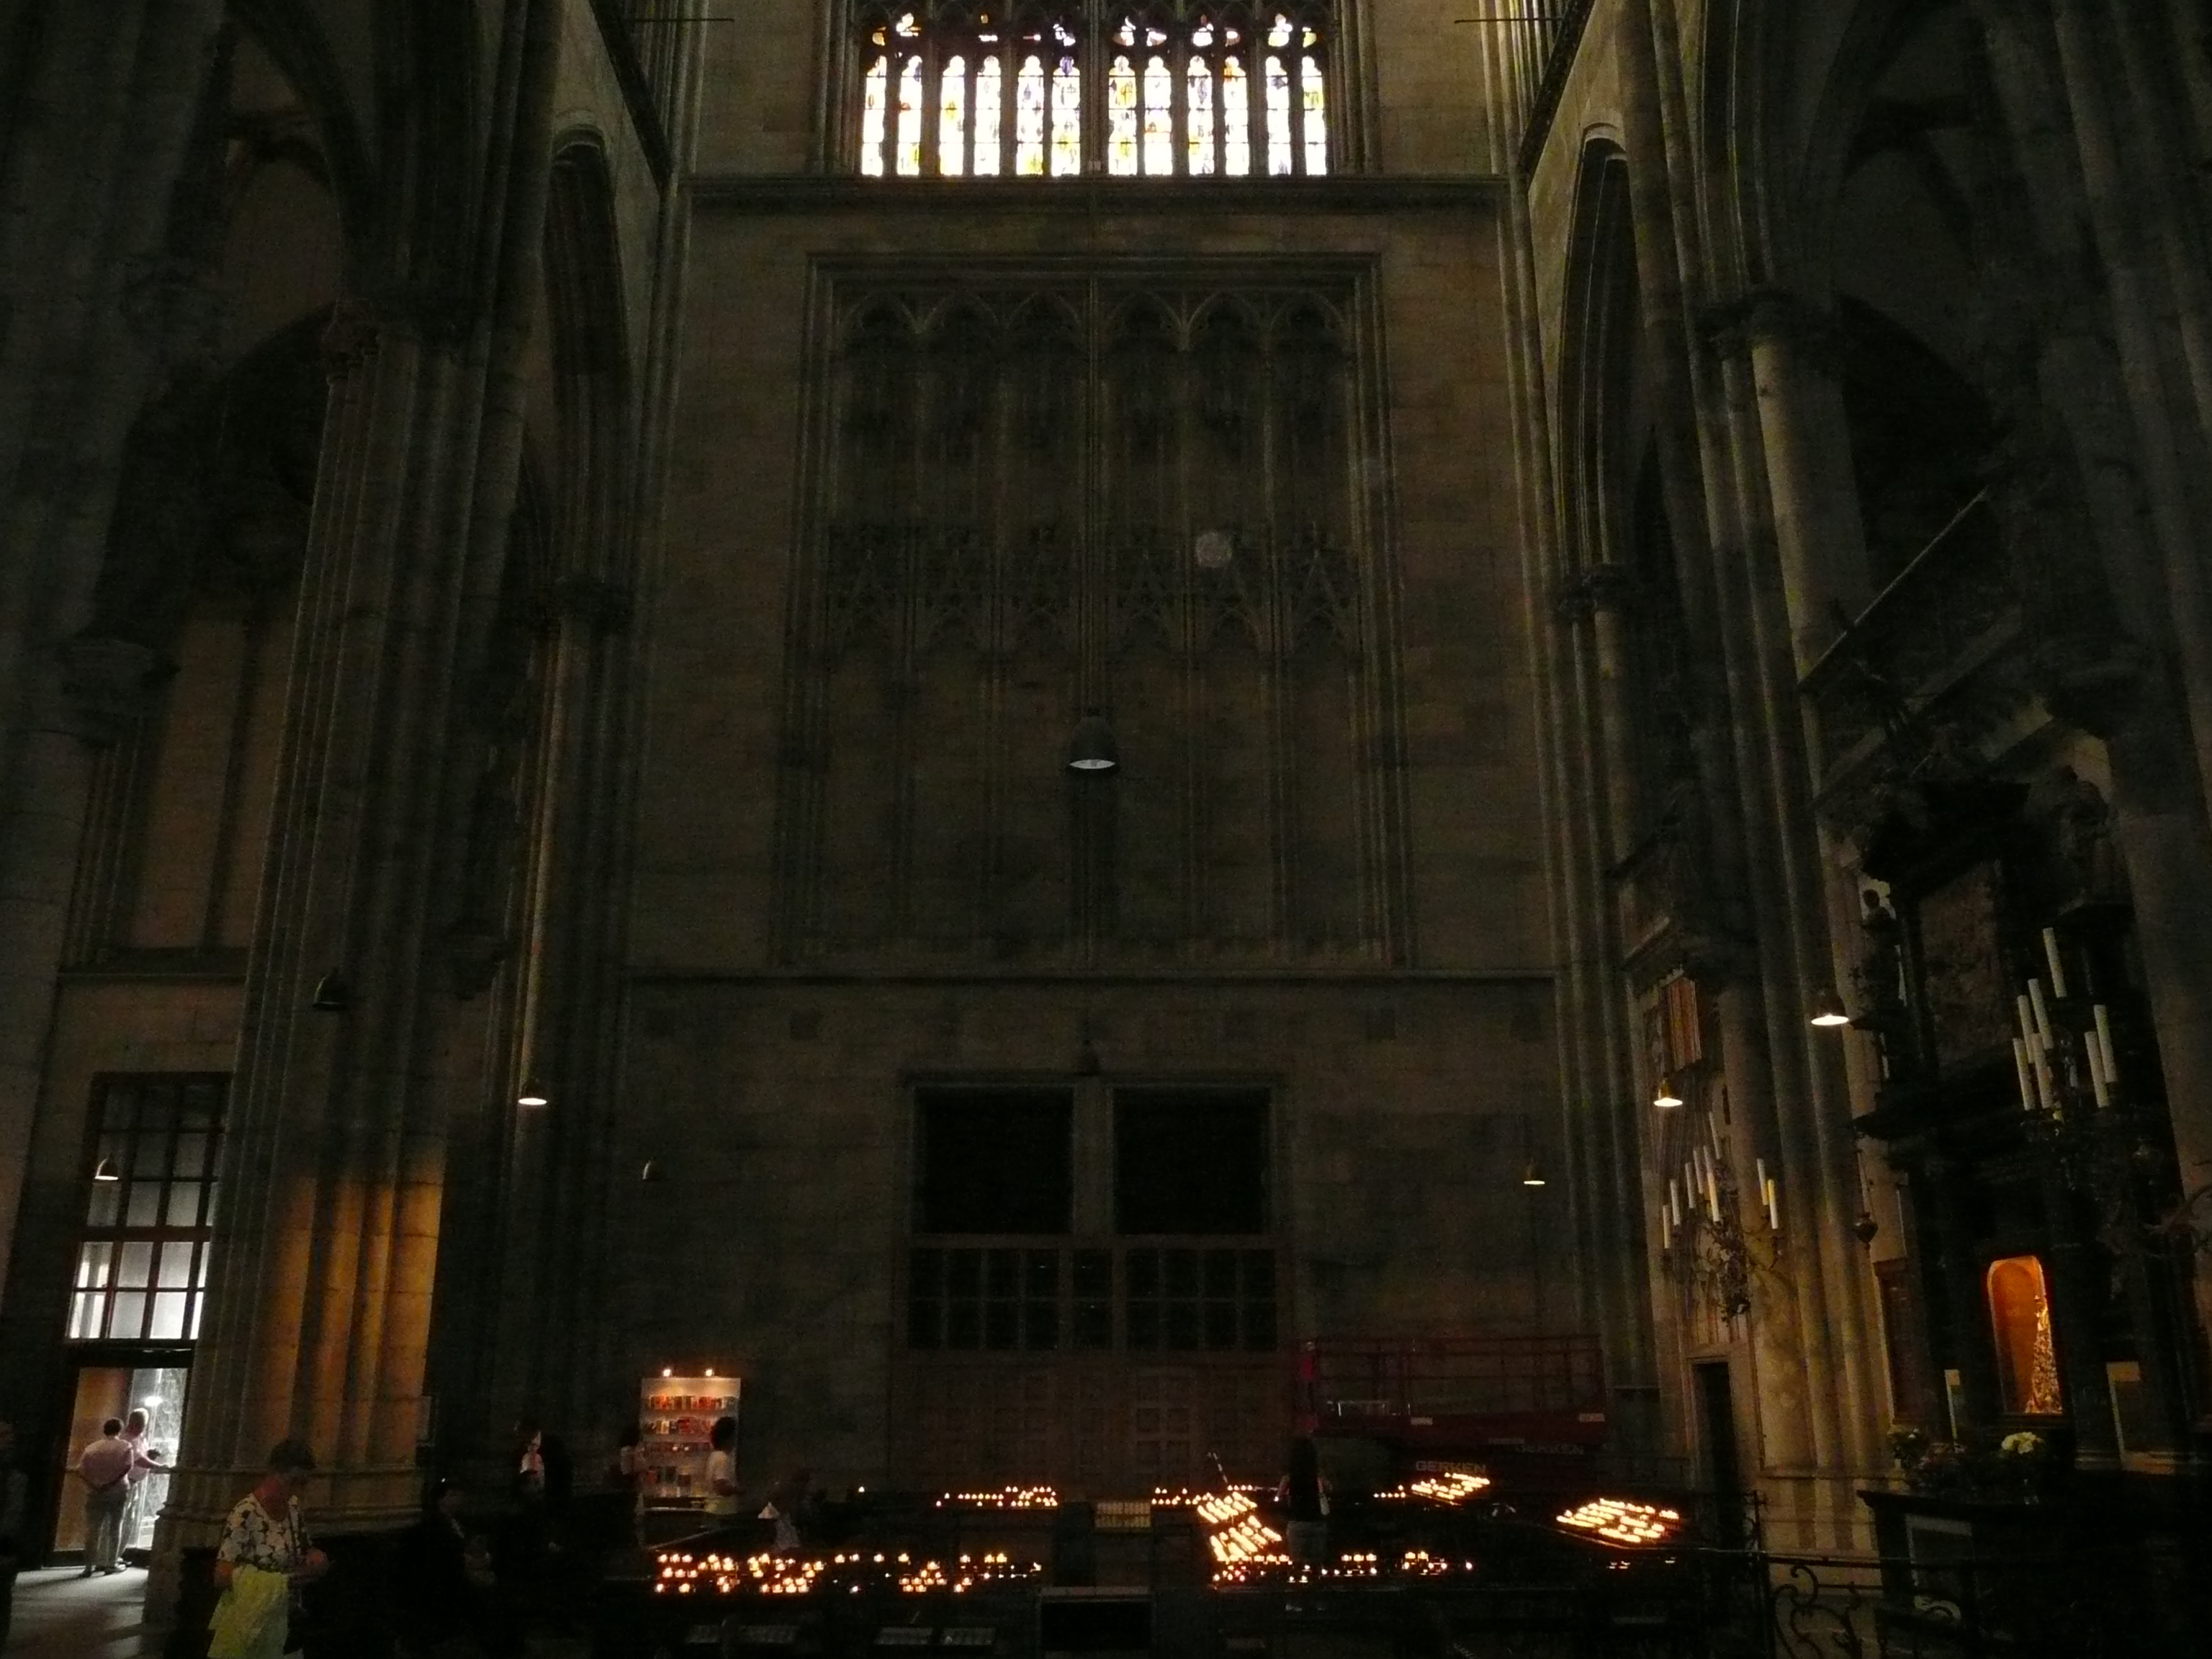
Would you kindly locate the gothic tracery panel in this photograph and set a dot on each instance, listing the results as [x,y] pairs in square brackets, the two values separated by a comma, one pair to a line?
[1052,496]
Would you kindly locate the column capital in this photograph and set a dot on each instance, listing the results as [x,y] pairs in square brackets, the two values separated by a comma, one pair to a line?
[1761,315]
[360,323]
[1610,588]
[586,601]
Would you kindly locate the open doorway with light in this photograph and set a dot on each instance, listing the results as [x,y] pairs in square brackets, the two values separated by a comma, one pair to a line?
[115,1386]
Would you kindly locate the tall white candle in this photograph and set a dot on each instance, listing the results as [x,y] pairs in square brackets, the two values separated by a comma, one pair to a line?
[2057,968]
[2104,1044]
[2098,1066]
[1774,1204]
[2019,1065]
[2042,1014]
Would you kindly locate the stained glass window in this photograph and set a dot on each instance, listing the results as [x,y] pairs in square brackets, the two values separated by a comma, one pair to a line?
[1236,118]
[1198,99]
[874,99]
[953,120]
[1317,112]
[1121,116]
[1174,86]
[909,117]
[1159,117]
[1029,117]
[1066,118]
[1279,158]
[987,92]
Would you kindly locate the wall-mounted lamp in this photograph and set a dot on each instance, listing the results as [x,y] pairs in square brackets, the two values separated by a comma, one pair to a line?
[105,1171]
[1091,750]
[533,1094]
[1532,1176]
[1664,1097]
[332,994]
[650,1172]
[1828,1009]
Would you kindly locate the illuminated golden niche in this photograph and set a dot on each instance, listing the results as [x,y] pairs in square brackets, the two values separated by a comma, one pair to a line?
[2019,1318]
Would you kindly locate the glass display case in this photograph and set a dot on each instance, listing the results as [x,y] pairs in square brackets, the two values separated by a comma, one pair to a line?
[676,1414]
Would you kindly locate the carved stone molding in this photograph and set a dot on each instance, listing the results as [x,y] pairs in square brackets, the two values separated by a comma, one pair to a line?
[109,684]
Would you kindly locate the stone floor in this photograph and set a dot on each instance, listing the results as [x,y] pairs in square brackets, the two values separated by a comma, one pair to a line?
[61,1615]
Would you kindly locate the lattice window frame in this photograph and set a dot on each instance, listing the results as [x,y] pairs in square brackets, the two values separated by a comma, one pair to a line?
[142,1268]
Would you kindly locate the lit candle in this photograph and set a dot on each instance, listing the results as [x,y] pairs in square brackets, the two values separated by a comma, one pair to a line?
[1773,1205]
[2019,1065]
[1759,1164]
[2057,968]
[2104,1044]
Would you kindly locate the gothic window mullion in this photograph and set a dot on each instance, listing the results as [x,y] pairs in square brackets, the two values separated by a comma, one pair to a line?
[1282,648]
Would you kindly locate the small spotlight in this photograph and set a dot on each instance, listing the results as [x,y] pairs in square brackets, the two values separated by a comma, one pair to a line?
[651,1171]
[1828,1009]
[1664,1097]
[1532,1176]
[532,1094]
[105,1171]
[332,994]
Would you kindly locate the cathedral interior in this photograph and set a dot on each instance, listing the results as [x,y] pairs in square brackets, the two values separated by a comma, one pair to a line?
[1061,737]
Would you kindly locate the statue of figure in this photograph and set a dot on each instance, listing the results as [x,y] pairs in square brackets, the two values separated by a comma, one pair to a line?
[2081,836]
[1881,961]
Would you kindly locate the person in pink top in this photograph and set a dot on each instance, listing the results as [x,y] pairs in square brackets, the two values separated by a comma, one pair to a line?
[106,1466]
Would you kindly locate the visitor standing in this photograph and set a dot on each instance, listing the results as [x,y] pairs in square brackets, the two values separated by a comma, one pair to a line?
[106,1466]
[1303,1495]
[722,1471]
[263,1559]
[137,1432]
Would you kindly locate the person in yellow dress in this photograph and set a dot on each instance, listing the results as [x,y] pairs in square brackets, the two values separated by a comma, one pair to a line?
[264,1558]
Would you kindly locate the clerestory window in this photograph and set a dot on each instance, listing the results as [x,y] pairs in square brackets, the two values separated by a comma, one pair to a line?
[1178,89]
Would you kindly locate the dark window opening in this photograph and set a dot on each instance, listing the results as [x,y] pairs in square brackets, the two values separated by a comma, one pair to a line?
[994,1161]
[1190,1161]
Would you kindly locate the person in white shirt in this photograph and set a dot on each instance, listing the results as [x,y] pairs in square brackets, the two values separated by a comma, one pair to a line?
[137,1432]
[722,1469]
[105,1467]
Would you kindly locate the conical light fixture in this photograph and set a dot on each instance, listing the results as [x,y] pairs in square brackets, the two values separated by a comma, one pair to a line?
[1664,1097]
[1828,1009]
[1091,750]
[532,1094]
[105,1171]
[1533,1174]
[332,994]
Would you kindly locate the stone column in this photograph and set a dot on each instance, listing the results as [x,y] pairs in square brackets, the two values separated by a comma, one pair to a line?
[1811,496]
[332,1164]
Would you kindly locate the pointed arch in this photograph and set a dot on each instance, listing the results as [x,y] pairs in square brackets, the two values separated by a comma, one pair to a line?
[587,321]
